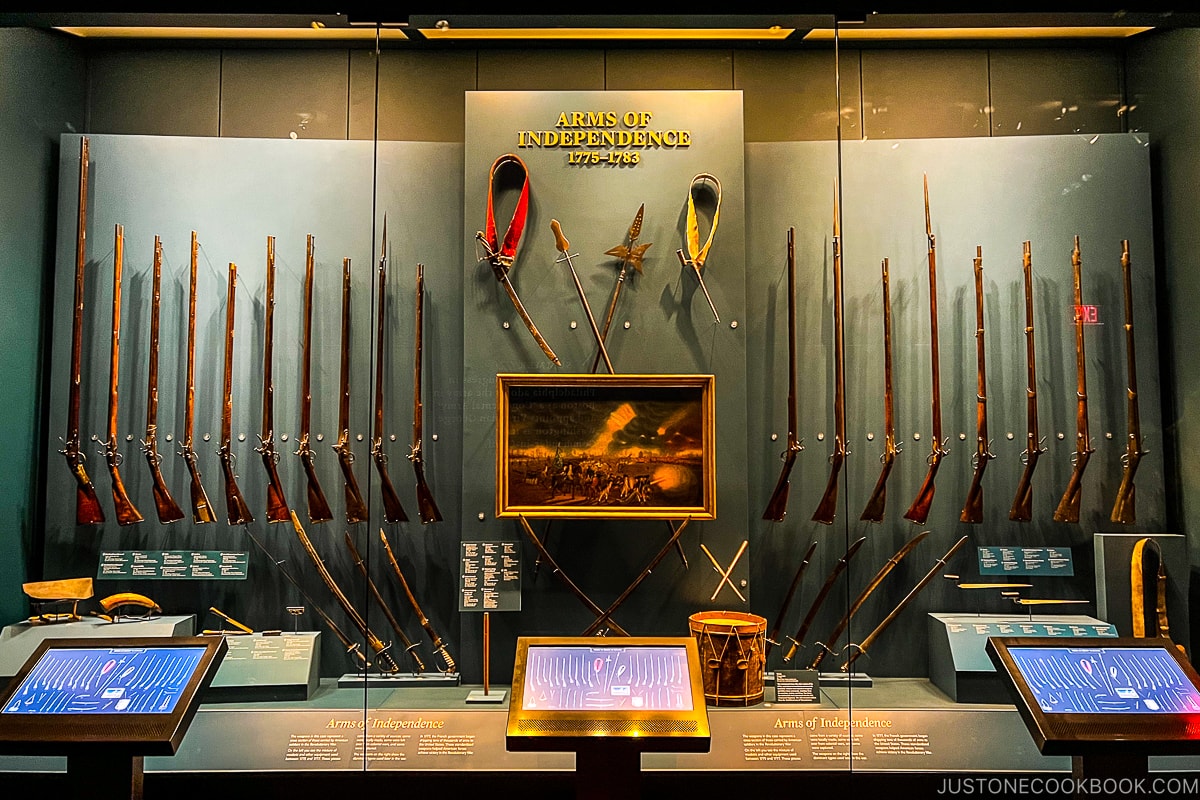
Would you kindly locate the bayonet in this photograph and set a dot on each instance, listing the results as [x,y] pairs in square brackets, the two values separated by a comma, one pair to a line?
[202,511]
[164,504]
[318,506]
[631,256]
[777,506]
[127,513]
[356,509]
[87,504]
[918,512]
[564,247]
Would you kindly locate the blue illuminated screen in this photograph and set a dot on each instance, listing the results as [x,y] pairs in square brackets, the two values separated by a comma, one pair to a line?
[1106,680]
[106,680]
[576,678]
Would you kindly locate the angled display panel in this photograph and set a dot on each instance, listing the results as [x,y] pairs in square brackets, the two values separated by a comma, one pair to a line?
[1103,695]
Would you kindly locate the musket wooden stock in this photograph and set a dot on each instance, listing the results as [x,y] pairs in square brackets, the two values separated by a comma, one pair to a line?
[87,504]
[827,507]
[777,506]
[819,600]
[878,499]
[427,508]
[972,510]
[164,504]
[1069,504]
[918,512]
[773,635]
[392,510]
[277,506]
[127,513]
[318,506]
[409,646]
[202,511]
[356,509]
[438,643]
[826,646]
[862,648]
[1123,508]
[1022,507]
[237,511]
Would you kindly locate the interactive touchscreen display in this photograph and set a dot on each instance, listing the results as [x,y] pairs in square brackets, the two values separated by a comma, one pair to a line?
[1105,680]
[610,678]
[106,680]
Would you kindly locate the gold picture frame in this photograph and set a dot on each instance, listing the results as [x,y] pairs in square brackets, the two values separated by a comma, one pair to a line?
[606,446]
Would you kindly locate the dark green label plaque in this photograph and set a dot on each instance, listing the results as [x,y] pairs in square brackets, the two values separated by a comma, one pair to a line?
[490,577]
[194,565]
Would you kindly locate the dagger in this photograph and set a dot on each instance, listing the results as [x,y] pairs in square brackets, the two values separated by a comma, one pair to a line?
[560,241]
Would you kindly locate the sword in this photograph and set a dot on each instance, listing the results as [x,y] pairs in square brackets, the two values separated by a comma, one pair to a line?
[560,241]
[500,266]
[839,629]
[630,255]
[773,636]
[696,268]
[838,568]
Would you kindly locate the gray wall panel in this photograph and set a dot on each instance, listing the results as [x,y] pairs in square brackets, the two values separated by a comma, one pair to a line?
[277,93]
[914,94]
[1051,92]
[161,92]
[420,95]
[631,70]
[541,70]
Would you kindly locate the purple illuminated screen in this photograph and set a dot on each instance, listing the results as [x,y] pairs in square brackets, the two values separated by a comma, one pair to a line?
[580,678]
[106,680]
[1106,680]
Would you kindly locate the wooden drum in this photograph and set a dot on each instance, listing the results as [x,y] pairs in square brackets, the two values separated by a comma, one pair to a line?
[732,656]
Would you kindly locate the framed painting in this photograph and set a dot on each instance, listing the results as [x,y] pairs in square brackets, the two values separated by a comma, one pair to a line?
[605,446]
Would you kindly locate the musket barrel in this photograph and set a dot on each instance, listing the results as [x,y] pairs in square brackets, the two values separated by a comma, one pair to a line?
[201,507]
[127,513]
[164,504]
[356,508]
[1124,509]
[87,505]
[1022,507]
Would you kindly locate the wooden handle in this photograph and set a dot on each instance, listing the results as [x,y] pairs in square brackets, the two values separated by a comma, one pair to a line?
[560,241]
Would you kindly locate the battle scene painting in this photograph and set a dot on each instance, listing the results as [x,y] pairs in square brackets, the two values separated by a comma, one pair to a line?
[605,446]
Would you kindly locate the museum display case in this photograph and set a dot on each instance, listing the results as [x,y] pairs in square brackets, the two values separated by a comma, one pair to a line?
[835,346]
